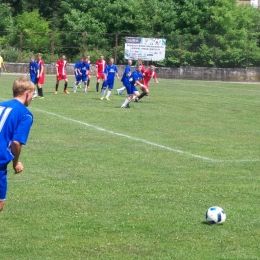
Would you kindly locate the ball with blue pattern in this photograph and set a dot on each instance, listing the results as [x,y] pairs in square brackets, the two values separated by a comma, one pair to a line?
[215,215]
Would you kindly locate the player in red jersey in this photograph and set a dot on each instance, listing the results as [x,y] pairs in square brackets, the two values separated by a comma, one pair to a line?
[61,73]
[140,63]
[89,72]
[148,75]
[40,80]
[100,66]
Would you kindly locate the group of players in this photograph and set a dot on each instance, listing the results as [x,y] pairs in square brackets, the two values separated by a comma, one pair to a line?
[16,120]
[36,71]
[105,72]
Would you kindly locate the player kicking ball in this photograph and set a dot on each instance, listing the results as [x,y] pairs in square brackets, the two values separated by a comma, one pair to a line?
[131,88]
[148,75]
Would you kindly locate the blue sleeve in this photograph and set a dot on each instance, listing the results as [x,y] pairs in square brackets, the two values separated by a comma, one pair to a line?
[21,133]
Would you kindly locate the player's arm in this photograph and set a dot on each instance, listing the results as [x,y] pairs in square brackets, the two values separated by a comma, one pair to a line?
[41,70]
[155,78]
[105,72]
[4,65]
[139,83]
[96,70]
[16,148]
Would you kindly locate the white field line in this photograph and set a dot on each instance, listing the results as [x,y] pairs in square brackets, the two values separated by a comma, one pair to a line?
[145,141]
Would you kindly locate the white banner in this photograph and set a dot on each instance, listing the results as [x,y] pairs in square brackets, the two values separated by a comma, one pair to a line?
[152,49]
[254,3]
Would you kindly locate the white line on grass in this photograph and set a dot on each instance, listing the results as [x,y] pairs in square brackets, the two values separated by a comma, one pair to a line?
[145,141]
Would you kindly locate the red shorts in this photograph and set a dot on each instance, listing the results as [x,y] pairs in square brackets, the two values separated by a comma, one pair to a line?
[40,80]
[101,76]
[61,77]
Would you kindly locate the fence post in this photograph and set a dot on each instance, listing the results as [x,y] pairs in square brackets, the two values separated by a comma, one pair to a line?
[21,47]
[52,46]
[116,47]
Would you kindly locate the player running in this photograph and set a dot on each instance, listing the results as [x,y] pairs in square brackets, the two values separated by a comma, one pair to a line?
[148,75]
[134,80]
[110,73]
[125,77]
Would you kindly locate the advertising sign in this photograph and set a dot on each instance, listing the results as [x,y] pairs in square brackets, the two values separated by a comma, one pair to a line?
[151,49]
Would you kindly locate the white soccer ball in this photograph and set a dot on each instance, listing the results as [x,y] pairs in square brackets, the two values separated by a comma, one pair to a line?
[215,215]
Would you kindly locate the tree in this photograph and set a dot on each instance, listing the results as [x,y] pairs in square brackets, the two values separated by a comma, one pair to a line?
[36,31]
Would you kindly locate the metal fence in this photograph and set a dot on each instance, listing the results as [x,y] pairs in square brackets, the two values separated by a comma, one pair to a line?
[181,50]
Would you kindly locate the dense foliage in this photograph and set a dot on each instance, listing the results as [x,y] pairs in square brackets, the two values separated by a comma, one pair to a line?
[198,32]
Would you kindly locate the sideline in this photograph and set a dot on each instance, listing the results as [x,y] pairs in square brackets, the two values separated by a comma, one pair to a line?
[145,141]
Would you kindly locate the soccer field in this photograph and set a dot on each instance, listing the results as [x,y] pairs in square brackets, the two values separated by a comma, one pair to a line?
[101,182]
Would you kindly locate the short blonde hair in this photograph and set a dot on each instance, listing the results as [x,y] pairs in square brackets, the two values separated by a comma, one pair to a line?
[21,85]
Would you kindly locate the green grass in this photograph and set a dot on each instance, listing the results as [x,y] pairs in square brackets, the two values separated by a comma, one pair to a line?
[88,192]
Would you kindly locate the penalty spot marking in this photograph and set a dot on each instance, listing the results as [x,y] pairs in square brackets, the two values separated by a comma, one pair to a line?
[145,141]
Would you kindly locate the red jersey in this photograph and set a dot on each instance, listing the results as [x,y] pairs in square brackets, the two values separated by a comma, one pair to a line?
[148,75]
[41,67]
[100,65]
[61,65]
[143,69]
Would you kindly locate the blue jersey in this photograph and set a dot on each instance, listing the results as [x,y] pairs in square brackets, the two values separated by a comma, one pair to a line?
[15,124]
[84,68]
[77,66]
[33,67]
[126,73]
[110,71]
[136,76]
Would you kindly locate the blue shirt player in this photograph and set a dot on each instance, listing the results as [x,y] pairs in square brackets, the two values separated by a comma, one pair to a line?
[34,72]
[110,72]
[84,69]
[15,123]
[77,74]
[132,91]
[125,77]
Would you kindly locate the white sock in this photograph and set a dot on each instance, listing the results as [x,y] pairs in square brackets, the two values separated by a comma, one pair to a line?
[85,88]
[103,92]
[125,103]
[108,93]
[75,87]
